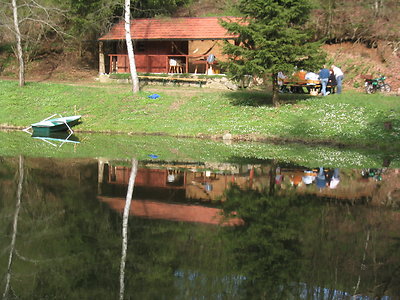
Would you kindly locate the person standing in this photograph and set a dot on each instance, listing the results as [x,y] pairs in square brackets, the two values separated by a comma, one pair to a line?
[324,77]
[331,83]
[339,77]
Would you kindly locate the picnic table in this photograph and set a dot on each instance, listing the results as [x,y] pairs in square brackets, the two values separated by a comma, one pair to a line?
[304,86]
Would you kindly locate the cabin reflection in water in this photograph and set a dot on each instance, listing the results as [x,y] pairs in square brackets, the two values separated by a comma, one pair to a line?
[188,192]
[166,192]
[182,182]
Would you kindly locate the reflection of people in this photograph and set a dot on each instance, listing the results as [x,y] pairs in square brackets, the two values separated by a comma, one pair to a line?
[320,180]
[339,77]
[372,173]
[308,177]
[278,176]
[324,77]
[335,179]
[296,180]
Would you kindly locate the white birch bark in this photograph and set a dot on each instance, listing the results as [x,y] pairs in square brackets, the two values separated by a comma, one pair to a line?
[129,45]
[362,263]
[15,226]
[19,44]
[125,217]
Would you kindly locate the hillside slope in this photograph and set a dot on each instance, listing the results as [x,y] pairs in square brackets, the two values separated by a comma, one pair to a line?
[357,60]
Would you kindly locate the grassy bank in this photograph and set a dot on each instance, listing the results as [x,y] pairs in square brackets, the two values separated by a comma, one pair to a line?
[212,152]
[348,119]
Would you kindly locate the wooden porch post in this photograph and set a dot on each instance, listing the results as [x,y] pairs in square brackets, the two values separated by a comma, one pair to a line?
[102,66]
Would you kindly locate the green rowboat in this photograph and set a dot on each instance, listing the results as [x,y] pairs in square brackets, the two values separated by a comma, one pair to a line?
[46,127]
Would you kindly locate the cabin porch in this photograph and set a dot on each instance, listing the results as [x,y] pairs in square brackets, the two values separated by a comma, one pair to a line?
[162,63]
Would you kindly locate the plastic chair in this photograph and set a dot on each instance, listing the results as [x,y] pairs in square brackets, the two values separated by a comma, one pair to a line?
[173,66]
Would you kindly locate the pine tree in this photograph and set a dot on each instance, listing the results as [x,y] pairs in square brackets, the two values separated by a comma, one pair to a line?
[272,38]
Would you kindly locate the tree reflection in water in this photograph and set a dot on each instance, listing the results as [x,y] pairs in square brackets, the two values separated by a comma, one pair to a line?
[15,227]
[125,227]
[267,248]
[298,246]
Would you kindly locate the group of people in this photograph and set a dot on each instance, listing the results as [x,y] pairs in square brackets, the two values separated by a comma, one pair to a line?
[322,178]
[327,76]
[331,78]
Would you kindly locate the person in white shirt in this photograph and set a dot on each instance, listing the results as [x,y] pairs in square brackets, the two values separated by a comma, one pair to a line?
[311,76]
[339,78]
[281,78]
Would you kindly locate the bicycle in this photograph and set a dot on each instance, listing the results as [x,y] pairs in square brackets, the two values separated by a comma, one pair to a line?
[377,84]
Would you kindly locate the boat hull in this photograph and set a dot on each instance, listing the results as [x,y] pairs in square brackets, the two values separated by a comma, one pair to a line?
[55,125]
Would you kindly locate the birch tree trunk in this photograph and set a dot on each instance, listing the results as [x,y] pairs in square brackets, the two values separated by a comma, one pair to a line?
[129,45]
[19,44]
[15,226]
[125,217]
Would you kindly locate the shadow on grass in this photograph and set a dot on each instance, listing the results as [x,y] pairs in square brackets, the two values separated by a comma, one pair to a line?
[257,98]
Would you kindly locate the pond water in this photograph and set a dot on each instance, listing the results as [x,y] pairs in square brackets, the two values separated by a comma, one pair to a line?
[208,220]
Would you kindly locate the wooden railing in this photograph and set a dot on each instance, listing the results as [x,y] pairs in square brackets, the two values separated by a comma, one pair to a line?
[149,63]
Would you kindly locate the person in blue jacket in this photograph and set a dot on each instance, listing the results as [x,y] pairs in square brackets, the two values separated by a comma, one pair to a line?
[324,77]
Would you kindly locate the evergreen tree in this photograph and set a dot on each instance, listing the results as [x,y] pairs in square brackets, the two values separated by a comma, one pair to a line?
[272,38]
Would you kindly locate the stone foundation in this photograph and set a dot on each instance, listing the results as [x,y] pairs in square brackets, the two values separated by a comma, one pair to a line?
[221,82]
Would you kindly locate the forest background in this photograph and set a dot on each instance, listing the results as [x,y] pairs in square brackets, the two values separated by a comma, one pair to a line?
[60,37]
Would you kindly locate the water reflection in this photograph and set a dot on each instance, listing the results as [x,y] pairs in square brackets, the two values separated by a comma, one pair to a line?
[300,246]
[207,183]
[125,219]
[55,139]
[295,240]
[14,227]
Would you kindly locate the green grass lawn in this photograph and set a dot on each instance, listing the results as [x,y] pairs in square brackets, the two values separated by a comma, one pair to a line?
[349,119]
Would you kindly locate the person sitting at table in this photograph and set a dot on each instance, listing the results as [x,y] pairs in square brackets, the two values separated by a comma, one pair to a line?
[281,80]
[311,76]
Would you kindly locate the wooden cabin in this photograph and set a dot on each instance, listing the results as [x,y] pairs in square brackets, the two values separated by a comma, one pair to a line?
[166,45]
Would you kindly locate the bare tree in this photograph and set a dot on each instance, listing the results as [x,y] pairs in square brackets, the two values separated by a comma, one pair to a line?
[125,217]
[29,22]
[19,44]
[131,55]
[15,226]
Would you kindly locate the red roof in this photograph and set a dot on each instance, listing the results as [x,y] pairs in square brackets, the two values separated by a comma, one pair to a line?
[207,28]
